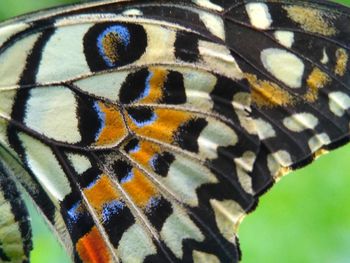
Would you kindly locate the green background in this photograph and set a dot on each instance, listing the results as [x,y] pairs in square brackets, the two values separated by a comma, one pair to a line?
[305,218]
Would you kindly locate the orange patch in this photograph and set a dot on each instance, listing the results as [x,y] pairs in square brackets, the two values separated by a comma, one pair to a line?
[140,189]
[156,83]
[92,248]
[103,192]
[311,19]
[109,43]
[114,129]
[167,123]
[146,152]
[316,80]
[268,94]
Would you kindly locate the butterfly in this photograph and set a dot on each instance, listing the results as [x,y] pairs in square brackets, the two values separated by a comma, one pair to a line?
[144,131]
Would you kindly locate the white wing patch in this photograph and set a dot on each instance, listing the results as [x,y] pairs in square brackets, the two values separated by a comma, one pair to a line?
[200,257]
[325,58]
[317,141]
[278,159]
[259,15]
[244,165]
[7,31]
[208,4]
[184,177]
[51,111]
[265,129]
[178,227]
[7,98]
[104,85]
[135,245]
[198,86]
[285,38]
[284,66]
[10,235]
[214,24]
[214,135]
[11,69]
[45,166]
[228,214]
[79,162]
[63,56]
[219,59]
[339,102]
[300,122]
[158,46]
[133,12]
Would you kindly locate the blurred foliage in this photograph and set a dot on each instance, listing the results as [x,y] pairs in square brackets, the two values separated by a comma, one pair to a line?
[305,218]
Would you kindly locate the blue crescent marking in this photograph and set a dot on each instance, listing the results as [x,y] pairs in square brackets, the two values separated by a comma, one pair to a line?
[127,178]
[123,34]
[110,209]
[135,149]
[141,124]
[147,89]
[92,184]
[153,202]
[102,119]
[153,160]
[73,213]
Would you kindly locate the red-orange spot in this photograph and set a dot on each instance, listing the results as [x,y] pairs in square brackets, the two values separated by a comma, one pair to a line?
[92,248]
[167,123]
[140,189]
[103,192]
[114,129]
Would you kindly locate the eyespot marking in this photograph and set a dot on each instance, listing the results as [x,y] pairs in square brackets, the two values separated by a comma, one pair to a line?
[110,41]
[110,45]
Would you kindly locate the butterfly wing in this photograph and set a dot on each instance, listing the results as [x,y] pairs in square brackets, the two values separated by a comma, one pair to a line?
[148,129]
[15,229]
[299,76]
[145,148]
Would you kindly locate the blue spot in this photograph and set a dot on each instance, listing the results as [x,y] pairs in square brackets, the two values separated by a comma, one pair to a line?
[92,184]
[153,160]
[141,124]
[127,178]
[153,202]
[102,119]
[135,149]
[147,89]
[111,208]
[73,213]
[124,36]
